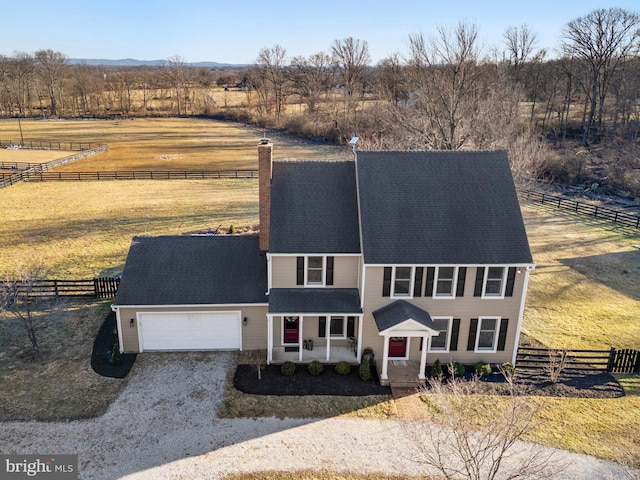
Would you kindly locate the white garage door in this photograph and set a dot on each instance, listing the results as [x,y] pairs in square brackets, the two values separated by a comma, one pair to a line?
[190,331]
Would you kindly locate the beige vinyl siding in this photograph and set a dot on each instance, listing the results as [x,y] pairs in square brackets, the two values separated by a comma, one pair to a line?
[254,333]
[465,308]
[345,271]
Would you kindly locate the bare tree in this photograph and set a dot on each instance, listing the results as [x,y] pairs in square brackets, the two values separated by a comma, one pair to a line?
[603,40]
[271,63]
[458,445]
[20,298]
[351,57]
[391,81]
[51,67]
[520,42]
[176,72]
[311,78]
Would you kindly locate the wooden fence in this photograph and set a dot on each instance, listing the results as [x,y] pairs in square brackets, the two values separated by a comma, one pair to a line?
[612,360]
[564,203]
[102,287]
[40,145]
[35,175]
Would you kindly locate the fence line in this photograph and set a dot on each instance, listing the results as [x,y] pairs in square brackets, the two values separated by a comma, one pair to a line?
[596,211]
[100,287]
[44,145]
[612,360]
[35,175]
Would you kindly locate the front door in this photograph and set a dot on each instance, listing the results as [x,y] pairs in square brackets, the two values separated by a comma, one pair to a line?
[398,347]
[291,325]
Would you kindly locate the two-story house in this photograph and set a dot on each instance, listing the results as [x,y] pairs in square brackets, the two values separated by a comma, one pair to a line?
[416,256]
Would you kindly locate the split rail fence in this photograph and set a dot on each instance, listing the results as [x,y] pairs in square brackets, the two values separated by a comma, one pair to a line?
[612,360]
[43,176]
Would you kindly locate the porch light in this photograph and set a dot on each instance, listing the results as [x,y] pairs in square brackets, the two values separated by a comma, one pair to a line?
[131,323]
[245,320]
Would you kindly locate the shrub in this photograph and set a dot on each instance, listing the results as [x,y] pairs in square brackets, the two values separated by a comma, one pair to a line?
[288,368]
[483,368]
[436,369]
[114,355]
[457,369]
[508,370]
[343,368]
[365,369]
[315,368]
[232,229]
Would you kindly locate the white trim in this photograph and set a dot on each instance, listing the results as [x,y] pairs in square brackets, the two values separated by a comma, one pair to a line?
[363,269]
[119,327]
[315,254]
[454,283]
[323,273]
[503,285]
[300,341]
[140,325]
[359,338]
[519,265]
[269,339]
[447,338]
[496,334]
[344,327]
[523,295]
[407,327]
[269,273]
[412,276]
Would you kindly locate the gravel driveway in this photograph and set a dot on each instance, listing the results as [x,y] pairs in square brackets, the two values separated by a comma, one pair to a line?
[164,425]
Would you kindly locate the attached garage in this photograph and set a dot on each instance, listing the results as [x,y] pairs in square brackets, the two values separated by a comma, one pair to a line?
[164,331]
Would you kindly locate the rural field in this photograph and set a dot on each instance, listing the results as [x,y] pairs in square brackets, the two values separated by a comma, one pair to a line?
[583,294]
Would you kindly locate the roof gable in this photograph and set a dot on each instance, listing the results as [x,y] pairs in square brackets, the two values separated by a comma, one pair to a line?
[314,208]
[440,208]
[402,315]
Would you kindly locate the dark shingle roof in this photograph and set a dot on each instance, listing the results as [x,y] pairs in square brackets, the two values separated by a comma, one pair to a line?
[440,208]
[314,208]
[314,300]
[181,270]
[398,312]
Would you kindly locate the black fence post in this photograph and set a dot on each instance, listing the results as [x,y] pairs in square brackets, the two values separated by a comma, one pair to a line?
[612,360]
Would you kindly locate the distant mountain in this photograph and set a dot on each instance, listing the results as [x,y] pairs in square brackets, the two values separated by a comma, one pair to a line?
[132,62]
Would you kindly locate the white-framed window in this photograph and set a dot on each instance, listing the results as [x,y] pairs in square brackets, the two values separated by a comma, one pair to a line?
[402,282]
[494,282]
[441,342]
[445,282]
[314,270]
[338,328]
[487,334]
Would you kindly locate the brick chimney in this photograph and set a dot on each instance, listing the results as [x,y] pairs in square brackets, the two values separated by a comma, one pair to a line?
[264,191]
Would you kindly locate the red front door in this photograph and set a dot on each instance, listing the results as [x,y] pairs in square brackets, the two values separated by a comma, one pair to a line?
[291,325]
[398,347]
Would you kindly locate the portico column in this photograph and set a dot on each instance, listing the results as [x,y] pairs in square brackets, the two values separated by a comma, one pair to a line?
[327,335]
[269,339]
[385,358]
[423,357]
[300,321]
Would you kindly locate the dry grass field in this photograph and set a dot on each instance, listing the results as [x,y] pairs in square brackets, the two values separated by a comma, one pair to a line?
[163,144]
[32,156]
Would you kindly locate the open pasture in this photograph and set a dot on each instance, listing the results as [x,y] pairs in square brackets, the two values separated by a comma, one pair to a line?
[166,144]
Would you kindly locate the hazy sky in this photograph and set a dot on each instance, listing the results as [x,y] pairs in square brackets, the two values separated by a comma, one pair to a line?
[234,31]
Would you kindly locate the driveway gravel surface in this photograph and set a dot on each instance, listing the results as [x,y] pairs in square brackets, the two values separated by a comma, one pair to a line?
[164,426]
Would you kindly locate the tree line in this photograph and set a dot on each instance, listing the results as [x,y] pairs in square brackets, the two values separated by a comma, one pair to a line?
[446,92]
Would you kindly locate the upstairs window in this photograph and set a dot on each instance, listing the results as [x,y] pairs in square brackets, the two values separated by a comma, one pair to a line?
[402,281]
[494,281]
[445,281]
[314,271]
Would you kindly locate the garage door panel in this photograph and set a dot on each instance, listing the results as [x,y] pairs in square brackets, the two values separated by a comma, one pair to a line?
[190,331]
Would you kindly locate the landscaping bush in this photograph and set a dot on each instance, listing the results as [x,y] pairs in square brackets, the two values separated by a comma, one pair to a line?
[315,368]
[232,229]
[288,368]
[483,368]
[343,368]
[457,369]
[508,370]
[436,369]
[114,355]
[365,369]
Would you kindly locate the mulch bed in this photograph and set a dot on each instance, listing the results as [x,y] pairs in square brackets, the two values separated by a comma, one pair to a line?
[329,382]
[102,346]
[577,384]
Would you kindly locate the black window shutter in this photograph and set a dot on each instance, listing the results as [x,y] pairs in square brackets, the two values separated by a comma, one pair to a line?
[502,337]
[329,271]
[431,273]
[351,327]
[300,271]
[386,282]
[322,326]
[479,280]
[417,286]
[471,343]
[511,280]
[455,330]
[462,276]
